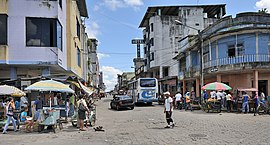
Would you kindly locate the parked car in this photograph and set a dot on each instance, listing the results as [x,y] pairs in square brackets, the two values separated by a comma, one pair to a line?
[122,101]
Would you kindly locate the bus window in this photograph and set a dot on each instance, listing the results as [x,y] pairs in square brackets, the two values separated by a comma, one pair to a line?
[147,82]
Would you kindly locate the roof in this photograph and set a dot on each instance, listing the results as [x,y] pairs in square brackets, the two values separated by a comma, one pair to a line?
[82,8]
[211,10]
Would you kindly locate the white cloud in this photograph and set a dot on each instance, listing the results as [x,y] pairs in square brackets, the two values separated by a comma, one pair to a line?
[102,55]
[96,8]
[263,4]
[93,29]
[110,76]
[115,4]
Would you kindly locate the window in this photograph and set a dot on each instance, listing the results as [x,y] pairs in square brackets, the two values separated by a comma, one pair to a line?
[152,41]
[3,29]
[152,27]
[59,36]
[43,32]
[147,82]
[166,71]
[78,29]
[152,56]
[60,3]
[236,50]
[78,57]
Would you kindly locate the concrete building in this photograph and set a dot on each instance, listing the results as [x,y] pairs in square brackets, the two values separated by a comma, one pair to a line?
[102,86]
[93,64]
[235,52]
[124,79]
[161,35]
[41,38]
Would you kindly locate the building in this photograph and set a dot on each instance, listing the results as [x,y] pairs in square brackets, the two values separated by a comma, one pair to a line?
[41,38]
[102,86]
[124,79]
[235,51]
[161,35]
[93,63]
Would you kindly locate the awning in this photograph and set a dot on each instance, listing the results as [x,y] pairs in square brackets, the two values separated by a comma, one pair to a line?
[75,83]
[85,89]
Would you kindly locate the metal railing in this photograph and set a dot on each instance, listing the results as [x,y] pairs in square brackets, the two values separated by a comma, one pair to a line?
[238,59]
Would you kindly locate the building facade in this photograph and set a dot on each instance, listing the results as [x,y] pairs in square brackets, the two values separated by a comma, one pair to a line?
[41,38]
[93,64]
[235,51]
[161,34]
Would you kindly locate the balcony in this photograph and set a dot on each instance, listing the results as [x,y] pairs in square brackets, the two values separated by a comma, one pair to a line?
[248,60]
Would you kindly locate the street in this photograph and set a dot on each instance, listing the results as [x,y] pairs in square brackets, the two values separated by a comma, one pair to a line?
[145,125]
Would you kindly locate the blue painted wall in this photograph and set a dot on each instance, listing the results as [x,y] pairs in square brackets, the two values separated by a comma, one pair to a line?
[263,43]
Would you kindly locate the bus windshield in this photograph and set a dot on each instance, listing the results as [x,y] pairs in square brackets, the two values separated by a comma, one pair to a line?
[147,82]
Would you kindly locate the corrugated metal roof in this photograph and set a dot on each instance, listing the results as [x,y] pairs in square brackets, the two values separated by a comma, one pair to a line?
[211,10]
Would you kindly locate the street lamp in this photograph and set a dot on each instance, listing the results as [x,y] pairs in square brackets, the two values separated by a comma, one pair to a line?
[201,44]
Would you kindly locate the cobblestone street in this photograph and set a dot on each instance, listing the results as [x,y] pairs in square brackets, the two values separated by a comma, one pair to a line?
[145,125]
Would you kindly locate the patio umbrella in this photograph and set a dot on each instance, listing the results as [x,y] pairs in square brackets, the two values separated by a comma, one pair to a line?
[10,90]
[50,86]
[216,86]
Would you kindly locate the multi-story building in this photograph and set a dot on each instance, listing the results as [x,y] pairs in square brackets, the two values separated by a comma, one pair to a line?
[102,86]
[43,37]
[123,80]
[93,63]
[236,51]
[161,35]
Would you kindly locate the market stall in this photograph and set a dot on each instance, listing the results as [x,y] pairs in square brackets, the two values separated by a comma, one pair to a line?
[213,104]
[51,90]
[8,91]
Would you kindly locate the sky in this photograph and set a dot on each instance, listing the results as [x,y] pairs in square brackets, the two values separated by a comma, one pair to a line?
[114,23]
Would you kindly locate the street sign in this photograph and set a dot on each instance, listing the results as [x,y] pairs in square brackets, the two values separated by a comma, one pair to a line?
[137,41]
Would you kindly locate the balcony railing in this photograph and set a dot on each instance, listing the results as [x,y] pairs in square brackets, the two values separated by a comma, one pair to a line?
[237,60]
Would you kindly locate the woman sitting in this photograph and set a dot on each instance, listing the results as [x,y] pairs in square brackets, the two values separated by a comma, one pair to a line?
[26,119]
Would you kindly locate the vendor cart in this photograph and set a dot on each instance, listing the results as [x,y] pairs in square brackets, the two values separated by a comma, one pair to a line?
[52,121]
[212,105]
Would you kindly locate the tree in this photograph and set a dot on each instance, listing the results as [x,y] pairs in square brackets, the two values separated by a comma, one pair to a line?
[263,10]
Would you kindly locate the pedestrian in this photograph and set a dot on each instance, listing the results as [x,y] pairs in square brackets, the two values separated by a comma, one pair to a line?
[10,106]
[23,102]
[67,108]
[228,99]
[178,99]
[184,98]
[262,97]
[188,103]
[245,105]
[205,96]
[38,107]
[81,111]
[256,103]
[168,109]
[213,94]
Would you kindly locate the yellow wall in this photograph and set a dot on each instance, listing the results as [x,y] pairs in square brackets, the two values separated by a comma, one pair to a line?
[3,49]
[3,6]
[3,52]
[72,14]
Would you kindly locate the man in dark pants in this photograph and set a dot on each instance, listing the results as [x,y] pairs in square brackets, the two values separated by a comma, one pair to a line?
[168,108]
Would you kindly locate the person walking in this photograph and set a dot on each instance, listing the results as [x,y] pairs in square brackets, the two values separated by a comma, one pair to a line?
[245,104]
[188,103]
[81,111]
[178,99]
[256,103]
[10,106]
[228,99]
[168,109]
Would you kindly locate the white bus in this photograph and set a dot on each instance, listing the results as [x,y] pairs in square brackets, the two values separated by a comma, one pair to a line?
[144,90]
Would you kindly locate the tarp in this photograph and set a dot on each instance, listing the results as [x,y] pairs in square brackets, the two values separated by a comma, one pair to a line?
[248,89]
[85,89]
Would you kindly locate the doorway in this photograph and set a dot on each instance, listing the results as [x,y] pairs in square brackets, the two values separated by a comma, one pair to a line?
[263,86]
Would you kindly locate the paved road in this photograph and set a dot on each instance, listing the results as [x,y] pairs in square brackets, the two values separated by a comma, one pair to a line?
[145,126]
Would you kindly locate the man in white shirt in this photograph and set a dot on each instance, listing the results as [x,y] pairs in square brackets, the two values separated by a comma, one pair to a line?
[23,102]
[213,94]
[178,99]
[168,109]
